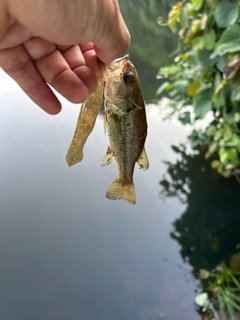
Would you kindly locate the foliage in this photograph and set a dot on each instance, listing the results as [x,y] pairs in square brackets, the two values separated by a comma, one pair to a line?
[205,77]
[207,231]
[221,285]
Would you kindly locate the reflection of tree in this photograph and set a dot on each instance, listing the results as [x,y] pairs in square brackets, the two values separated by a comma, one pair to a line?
[208,231]
[151,44]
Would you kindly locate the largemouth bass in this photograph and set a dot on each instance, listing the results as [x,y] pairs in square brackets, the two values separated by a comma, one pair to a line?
[125,121]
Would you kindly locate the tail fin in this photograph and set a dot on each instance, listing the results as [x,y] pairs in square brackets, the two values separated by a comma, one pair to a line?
[121,190]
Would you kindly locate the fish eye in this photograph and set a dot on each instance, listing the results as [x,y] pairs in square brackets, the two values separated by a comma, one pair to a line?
[128,77]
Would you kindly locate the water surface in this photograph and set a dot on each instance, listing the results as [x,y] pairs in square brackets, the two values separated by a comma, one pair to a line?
[67,252]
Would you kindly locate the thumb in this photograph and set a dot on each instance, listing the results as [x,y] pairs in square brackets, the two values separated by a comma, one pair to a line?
[113,37]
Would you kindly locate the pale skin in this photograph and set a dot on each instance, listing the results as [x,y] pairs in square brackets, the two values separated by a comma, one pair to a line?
[59,42]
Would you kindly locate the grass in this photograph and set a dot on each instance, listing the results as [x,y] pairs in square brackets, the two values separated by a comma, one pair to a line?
[221,292]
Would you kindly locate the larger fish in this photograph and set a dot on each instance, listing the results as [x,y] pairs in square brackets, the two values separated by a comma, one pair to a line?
[125,121]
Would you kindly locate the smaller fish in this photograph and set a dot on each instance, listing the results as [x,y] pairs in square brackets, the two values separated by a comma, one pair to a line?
[125,121]
[85,124]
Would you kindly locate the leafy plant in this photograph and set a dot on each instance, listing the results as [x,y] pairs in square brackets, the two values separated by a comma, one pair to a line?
[205,77]
[222,284]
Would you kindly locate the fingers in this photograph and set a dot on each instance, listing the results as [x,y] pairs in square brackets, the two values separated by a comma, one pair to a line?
[81,55]
[18,65]
[91,58]
[74,22]
[16,34]
[70,68]
[39,62]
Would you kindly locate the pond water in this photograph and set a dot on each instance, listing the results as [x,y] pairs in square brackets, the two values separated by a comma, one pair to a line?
[67,252]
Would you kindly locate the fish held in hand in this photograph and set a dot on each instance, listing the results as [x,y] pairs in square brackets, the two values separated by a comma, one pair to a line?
[125,121]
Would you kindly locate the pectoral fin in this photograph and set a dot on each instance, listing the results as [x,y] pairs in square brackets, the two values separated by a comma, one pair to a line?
[85,124]
[143,161]
[108,158]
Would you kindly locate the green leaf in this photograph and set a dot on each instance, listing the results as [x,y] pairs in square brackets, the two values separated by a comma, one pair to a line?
[223,155]
[237,117]
[165,86]
[197,43]
[184,19]
[219,84]
[233,141]
[233,156]
[220,100]
[185,117]
[174,17]
[235,95]
[197,4]
[218,135]
[226,174]
[213,3]
[204,59]
[229,116]
[181,85]
[215,164]
[193,88]
[173,93]
[195,144]
[211,131]
[226,14]
[221,62]
[209,40]
[228,42]
[203,103]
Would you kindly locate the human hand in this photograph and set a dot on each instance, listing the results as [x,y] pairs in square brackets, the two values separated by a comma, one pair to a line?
[59,43]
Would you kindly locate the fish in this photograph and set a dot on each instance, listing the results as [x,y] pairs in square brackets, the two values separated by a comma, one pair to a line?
[85,124]
[126,124]
[124,120]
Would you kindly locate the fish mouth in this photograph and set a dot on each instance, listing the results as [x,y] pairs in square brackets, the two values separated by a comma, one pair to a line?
[118,63]
[126,57]
[115,65]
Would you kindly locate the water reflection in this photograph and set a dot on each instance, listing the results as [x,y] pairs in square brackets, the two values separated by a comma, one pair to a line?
[67,252]
[208,230]
[151,44]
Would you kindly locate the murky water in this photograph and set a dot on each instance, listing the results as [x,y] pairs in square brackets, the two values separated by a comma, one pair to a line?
[67,252]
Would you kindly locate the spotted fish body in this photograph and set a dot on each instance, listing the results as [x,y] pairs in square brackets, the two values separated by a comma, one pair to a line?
[125,121]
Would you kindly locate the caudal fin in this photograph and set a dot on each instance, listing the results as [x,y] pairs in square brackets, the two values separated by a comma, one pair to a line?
[121,190]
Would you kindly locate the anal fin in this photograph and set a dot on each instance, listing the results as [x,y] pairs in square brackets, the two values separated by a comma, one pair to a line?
[108,158]
[143,161]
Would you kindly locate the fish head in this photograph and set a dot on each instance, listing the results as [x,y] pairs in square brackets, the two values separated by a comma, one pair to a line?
[121,81]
